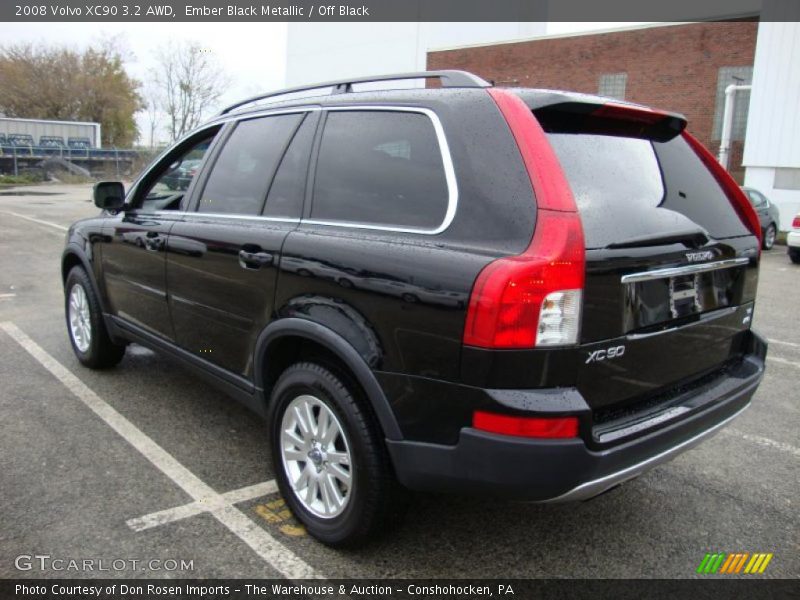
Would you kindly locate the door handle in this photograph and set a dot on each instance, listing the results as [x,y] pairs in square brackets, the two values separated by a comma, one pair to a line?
[254,259]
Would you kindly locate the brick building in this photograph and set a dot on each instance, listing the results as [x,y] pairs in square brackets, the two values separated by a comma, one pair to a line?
[680,67]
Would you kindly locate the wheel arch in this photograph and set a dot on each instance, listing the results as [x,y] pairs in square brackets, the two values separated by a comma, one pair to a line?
[280,343]
[74,256]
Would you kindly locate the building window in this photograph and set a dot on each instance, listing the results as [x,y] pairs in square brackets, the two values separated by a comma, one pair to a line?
[786,179]
[726,77]
[613,85]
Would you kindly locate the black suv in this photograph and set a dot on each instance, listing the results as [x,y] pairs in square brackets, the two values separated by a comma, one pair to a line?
[529,293]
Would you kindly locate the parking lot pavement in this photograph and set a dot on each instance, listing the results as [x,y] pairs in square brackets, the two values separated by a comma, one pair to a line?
[143,462]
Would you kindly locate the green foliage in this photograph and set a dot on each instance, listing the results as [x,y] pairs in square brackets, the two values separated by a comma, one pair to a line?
[20,179]
[40,82]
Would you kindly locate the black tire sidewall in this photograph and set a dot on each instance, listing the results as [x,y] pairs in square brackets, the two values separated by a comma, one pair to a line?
[93,357]
[308,378]
[766,232]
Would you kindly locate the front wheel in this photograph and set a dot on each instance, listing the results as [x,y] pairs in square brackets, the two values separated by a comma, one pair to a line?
[329,460]
[769,237]
[87,331]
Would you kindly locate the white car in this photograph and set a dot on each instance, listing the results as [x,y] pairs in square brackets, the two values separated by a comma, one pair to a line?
[793,240]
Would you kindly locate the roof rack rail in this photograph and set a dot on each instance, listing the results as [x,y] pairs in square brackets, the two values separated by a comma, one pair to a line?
[448,78]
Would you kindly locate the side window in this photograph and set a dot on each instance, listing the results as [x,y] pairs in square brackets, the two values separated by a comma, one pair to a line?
[757,199]
[170,180]
[289,185]
[241,174]
[380,168]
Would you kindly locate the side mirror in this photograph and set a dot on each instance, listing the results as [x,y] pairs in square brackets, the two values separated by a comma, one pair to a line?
[109,195]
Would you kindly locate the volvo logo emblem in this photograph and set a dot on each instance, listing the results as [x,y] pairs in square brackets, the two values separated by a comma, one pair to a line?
[699,256]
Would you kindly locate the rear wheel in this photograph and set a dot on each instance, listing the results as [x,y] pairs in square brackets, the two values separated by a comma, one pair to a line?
[794,255]
[330,463]
[769,237]
[87,331]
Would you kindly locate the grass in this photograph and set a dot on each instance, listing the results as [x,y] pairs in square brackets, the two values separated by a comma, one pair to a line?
[25,179]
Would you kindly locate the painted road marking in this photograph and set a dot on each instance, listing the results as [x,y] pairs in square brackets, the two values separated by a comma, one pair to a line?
[177,513]
[783,361]
[27,218]
[258,539]
[7,296]
[277,513]
[782,343]
[764,441]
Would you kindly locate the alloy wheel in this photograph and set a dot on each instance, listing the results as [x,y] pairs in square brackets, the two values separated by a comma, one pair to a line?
[316,456]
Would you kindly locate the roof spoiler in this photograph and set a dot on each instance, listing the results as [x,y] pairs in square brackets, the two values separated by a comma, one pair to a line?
[611,118]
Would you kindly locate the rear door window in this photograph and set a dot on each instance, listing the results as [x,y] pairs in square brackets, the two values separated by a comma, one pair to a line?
[287,192]
[380,168]
[241,175]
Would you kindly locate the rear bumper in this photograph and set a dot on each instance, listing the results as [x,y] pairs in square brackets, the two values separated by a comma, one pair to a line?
[793,239]
[564,470]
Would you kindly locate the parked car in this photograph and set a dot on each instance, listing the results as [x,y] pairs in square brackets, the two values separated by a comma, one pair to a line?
[181,176]
[549,293]
[793,240]
[768,215]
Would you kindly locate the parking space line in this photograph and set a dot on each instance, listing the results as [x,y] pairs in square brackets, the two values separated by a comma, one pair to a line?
[191,509]
[34,220]
[782,343]
[783,361]
[258,539]
[764,441]
[7,296]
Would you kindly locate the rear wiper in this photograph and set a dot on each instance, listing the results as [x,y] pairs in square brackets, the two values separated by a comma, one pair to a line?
[690,239]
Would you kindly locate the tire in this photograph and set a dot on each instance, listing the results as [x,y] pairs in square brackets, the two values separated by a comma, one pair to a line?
[373,500]
[794,255]
[769,237]
[86,328]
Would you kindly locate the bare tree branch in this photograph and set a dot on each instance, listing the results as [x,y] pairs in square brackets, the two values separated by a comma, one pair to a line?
[189,82]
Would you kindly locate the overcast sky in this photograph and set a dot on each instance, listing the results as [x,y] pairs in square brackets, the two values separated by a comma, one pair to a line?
[252,54]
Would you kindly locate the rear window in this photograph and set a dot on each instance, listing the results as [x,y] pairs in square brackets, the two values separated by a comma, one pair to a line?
[630,189]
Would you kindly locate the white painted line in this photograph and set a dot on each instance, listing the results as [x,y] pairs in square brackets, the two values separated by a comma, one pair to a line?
[764,441]
[783,361]
[253,491]
[782,343]
[259,540]
[27,218]
[6,296]
[177,513]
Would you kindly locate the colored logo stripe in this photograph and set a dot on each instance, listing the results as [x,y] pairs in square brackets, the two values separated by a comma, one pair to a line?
[720,562]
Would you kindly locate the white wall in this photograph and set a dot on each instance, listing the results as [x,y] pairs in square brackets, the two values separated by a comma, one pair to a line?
[773,125]
[325,51]
[64,129]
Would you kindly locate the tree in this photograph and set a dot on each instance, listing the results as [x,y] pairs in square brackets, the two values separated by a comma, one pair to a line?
[41,82]
[190,81]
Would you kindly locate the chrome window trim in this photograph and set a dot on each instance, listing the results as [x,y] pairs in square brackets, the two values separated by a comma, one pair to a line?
[685,270]
[441,138]
[224,216]
[447,163]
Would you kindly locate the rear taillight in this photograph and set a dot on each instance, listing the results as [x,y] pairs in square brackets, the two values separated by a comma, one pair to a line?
[796,222]
[535,298]
[732,190]
[536,427]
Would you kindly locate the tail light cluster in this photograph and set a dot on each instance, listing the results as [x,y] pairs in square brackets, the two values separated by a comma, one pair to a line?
[732,190]
[533,299]
[796,222]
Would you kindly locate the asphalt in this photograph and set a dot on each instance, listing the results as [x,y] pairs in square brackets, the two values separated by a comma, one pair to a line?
[69,482]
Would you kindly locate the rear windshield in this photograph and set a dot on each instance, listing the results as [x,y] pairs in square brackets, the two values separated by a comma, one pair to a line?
[630,189]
